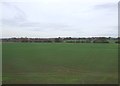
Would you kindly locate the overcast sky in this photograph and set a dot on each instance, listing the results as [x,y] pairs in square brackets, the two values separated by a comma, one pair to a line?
[59,18]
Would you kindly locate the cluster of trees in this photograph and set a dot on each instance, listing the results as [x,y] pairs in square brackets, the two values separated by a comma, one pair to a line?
[101,40]
[66,40]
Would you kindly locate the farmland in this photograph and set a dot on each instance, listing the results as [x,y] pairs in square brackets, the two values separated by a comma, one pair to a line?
[68,63]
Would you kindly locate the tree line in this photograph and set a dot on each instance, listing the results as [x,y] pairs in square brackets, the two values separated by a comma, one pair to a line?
[64,40]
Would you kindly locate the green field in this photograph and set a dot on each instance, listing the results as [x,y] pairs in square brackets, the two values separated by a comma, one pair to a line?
[56,63]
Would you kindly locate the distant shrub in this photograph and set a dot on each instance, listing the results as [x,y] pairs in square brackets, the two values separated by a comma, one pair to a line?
[88,41]
[77,41]
[70,41]
[57,40]
[100,41]
[117,42]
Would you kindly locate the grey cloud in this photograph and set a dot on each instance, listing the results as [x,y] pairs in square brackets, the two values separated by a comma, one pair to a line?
[106,6]
[115,28]
[19,19]
[50,20]
[12,14]
[35,26]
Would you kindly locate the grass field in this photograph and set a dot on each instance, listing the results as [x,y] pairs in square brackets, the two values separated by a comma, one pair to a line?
[46,63]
